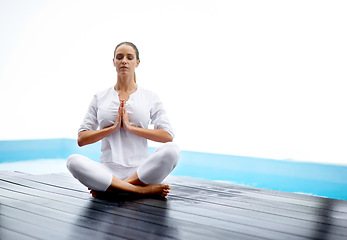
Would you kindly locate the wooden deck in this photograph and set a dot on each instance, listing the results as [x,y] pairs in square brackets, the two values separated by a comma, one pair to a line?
[56,206]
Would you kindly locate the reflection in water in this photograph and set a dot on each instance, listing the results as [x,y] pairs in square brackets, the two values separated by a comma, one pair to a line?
[124,216]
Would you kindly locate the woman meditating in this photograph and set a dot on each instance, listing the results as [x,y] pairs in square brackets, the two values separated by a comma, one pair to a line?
[119,116]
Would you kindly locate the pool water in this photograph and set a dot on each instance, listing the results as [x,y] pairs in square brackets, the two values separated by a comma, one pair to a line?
[39,166]
[48,156]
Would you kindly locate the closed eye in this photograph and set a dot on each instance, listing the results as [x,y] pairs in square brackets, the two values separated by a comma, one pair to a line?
[119,56]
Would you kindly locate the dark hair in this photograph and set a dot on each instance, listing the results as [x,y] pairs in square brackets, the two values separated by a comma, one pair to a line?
[131,45]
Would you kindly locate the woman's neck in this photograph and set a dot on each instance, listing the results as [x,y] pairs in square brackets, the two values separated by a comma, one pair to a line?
[125,84]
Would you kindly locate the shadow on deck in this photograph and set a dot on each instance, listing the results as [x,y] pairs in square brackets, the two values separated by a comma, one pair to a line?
[56,206]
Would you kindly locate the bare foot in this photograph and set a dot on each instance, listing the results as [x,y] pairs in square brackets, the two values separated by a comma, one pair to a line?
[124,186]
[161,190]
[99,194]
[94,193]
[157,189]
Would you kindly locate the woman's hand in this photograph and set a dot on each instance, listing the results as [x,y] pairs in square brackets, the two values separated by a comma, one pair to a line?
[92,136]
[118,123]
[124,116]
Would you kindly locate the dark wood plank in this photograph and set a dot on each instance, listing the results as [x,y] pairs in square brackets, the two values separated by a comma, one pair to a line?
[91,211]
[65,224]
[199,205]
[229,216]
[85,219]
[261,195]
[271,210]
[28,229]
[9,234]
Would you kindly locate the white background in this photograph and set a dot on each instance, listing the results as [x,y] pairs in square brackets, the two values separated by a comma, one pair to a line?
[251,78]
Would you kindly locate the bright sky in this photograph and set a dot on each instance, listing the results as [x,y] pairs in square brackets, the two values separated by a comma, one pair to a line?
[251,78]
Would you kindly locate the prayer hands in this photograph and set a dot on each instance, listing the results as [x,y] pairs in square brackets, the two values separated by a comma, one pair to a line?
[118,123]
[125,118]
[122,119]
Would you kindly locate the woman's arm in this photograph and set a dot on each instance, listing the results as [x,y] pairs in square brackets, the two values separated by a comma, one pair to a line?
[157,135]
[122,120]
[92,136]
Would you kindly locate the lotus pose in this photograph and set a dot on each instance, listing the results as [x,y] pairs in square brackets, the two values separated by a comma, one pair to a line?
[119,116]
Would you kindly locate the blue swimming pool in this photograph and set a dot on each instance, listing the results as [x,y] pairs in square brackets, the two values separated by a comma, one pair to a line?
[307,178]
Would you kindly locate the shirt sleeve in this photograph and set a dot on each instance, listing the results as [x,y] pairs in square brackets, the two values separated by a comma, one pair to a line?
[90,121]
[159,117]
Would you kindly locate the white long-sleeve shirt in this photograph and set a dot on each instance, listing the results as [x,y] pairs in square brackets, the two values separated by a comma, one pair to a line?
[122,147]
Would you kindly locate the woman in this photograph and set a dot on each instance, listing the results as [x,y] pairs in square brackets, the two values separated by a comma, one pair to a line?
[119,117]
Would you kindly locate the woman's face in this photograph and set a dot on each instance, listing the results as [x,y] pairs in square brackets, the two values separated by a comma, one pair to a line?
[125,59]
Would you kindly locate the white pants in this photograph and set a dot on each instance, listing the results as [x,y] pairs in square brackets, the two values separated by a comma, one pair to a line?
[98,176]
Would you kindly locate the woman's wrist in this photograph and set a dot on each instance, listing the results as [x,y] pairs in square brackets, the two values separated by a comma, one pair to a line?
[129,128]
[115,127]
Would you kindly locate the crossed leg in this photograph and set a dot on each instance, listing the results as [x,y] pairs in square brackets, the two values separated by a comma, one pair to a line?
[124,185]
[146,180]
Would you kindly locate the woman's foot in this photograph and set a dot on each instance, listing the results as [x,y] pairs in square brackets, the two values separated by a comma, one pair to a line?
[95,194]
[157,189]
[161,190]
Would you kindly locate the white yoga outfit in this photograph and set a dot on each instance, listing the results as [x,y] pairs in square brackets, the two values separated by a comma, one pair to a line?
[122,152]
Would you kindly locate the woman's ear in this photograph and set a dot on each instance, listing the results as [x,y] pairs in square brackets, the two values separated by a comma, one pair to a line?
[138,62]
